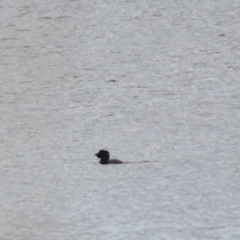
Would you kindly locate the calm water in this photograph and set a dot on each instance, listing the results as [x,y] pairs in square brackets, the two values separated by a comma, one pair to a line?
[175,103]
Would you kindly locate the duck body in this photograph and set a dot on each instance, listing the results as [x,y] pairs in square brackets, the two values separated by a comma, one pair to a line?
[104,158]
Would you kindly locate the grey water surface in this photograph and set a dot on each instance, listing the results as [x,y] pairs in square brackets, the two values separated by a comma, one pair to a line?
[157,83]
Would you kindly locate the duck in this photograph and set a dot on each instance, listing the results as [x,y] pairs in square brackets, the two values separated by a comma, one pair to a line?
[104,158]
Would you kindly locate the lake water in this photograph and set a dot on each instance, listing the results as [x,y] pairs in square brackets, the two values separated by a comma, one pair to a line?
[148,80]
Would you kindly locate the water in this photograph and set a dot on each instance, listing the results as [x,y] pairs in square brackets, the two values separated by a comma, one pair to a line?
[175,103]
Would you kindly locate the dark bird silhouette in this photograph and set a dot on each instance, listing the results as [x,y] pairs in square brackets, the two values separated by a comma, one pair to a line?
[104,158]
